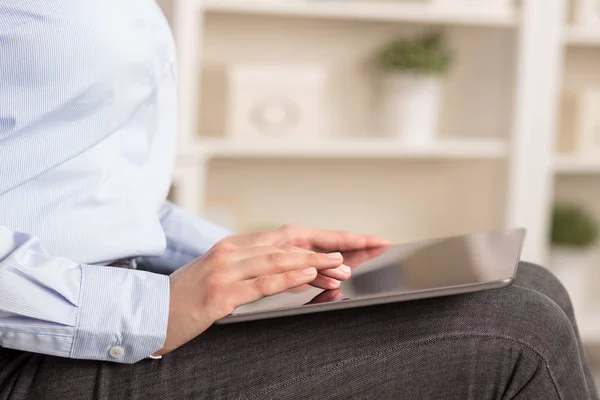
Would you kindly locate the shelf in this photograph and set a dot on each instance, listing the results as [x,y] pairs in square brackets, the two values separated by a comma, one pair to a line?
[589,328]
[571,165]
[365,149]
[577,36]
[425,12]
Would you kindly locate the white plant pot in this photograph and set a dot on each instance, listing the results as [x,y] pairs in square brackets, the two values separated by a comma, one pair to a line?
[573,268]
[410,107]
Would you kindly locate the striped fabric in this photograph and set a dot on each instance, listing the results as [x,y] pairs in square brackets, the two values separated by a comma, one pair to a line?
[87,129]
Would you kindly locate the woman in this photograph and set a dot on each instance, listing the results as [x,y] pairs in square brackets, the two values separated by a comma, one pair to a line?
[99,274]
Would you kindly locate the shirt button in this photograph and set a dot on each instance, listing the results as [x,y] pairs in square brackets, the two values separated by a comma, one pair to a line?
[117,352]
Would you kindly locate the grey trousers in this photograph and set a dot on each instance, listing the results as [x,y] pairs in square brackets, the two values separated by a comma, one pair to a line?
[517,343]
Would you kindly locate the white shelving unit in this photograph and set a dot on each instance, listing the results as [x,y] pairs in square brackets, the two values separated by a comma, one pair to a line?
[589,328]
[495,165]
[481,149]
[574,165]
[368,11]
[577,177]
[226,29]
[582,36]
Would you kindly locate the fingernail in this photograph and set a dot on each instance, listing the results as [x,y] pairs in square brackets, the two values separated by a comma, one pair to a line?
[334,256]
[346,269]
[309,271]
[334,282]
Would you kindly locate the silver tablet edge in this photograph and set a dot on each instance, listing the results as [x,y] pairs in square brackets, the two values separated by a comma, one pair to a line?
[341,305]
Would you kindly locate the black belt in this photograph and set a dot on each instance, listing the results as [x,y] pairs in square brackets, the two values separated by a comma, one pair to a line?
[130,263]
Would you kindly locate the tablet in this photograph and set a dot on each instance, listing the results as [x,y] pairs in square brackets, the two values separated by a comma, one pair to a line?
[402,272]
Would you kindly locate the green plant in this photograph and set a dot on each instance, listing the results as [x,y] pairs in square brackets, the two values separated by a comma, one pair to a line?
[427,55]
[573,226]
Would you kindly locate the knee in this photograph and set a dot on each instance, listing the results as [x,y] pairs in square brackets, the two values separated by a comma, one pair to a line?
[542,280]
[531,319]
[514,325]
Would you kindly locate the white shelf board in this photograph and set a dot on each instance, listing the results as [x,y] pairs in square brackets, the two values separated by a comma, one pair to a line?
[589,328]
[372,148]
[578,36]
[572,165]
[426,12]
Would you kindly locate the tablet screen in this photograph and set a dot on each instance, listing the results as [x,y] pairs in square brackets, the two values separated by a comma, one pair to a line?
[415,267]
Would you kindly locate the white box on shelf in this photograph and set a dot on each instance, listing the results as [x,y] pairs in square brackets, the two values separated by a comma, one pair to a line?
[587,123]
[587,13]
[271,101]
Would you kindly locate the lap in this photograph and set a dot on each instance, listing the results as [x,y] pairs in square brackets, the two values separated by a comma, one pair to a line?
[436,347]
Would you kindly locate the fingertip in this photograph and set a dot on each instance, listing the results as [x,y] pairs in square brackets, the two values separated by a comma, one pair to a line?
[309,271]
[333,283]
[333,295]
[346,270]
[377,241]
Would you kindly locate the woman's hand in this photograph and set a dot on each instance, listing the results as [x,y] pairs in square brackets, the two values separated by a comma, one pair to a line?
[353,259]
[309,239]
[228,276]
[314,240]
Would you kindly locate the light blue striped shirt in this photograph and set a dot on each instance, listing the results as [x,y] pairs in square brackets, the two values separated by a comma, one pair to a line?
[87,138]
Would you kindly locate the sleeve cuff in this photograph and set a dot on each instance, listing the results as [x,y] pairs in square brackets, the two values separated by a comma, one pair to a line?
[123,314]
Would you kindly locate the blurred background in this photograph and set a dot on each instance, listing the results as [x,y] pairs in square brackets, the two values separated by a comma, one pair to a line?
[409,119]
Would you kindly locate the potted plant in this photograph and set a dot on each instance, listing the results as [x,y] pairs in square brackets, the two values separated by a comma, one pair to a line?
[412,88]
[573,234]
